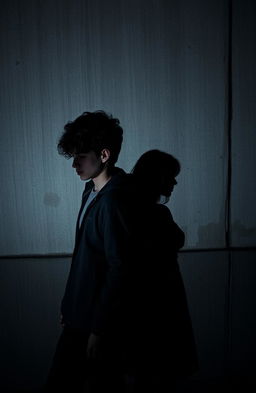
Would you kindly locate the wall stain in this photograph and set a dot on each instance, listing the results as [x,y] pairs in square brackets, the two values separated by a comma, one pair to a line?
[51,199]
[212,234]
[241,230]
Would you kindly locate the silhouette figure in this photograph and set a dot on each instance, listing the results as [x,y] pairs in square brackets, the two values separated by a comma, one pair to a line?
[165,347]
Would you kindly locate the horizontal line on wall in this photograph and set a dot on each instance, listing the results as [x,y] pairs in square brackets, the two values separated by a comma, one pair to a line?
[23,256]
[67,255]
[252,248]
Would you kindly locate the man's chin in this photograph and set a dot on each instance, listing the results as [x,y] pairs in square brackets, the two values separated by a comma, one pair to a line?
[83,177]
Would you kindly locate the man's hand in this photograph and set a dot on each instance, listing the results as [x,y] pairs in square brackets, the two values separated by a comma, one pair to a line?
[93,347]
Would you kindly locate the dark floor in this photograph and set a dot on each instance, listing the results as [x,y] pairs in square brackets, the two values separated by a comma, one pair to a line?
[217,385]
[220,385]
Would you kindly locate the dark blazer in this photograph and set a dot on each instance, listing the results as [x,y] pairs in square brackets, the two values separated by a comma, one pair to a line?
[93,298]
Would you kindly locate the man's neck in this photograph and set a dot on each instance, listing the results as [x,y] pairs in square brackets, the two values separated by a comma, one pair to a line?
[101,180]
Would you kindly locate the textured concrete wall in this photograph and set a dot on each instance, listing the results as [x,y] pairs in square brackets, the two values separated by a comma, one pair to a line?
[159,66]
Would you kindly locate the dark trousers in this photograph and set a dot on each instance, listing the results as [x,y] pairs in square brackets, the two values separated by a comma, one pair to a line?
[72,372]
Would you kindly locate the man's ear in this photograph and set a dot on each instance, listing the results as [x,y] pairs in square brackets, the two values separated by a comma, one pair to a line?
[104,155]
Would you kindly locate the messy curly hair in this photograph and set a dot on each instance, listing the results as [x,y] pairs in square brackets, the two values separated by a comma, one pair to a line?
[92,131]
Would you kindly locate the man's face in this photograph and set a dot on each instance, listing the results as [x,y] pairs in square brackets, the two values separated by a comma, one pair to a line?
[87,165]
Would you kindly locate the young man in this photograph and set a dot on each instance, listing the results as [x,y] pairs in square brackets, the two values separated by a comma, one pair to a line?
[93,305]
